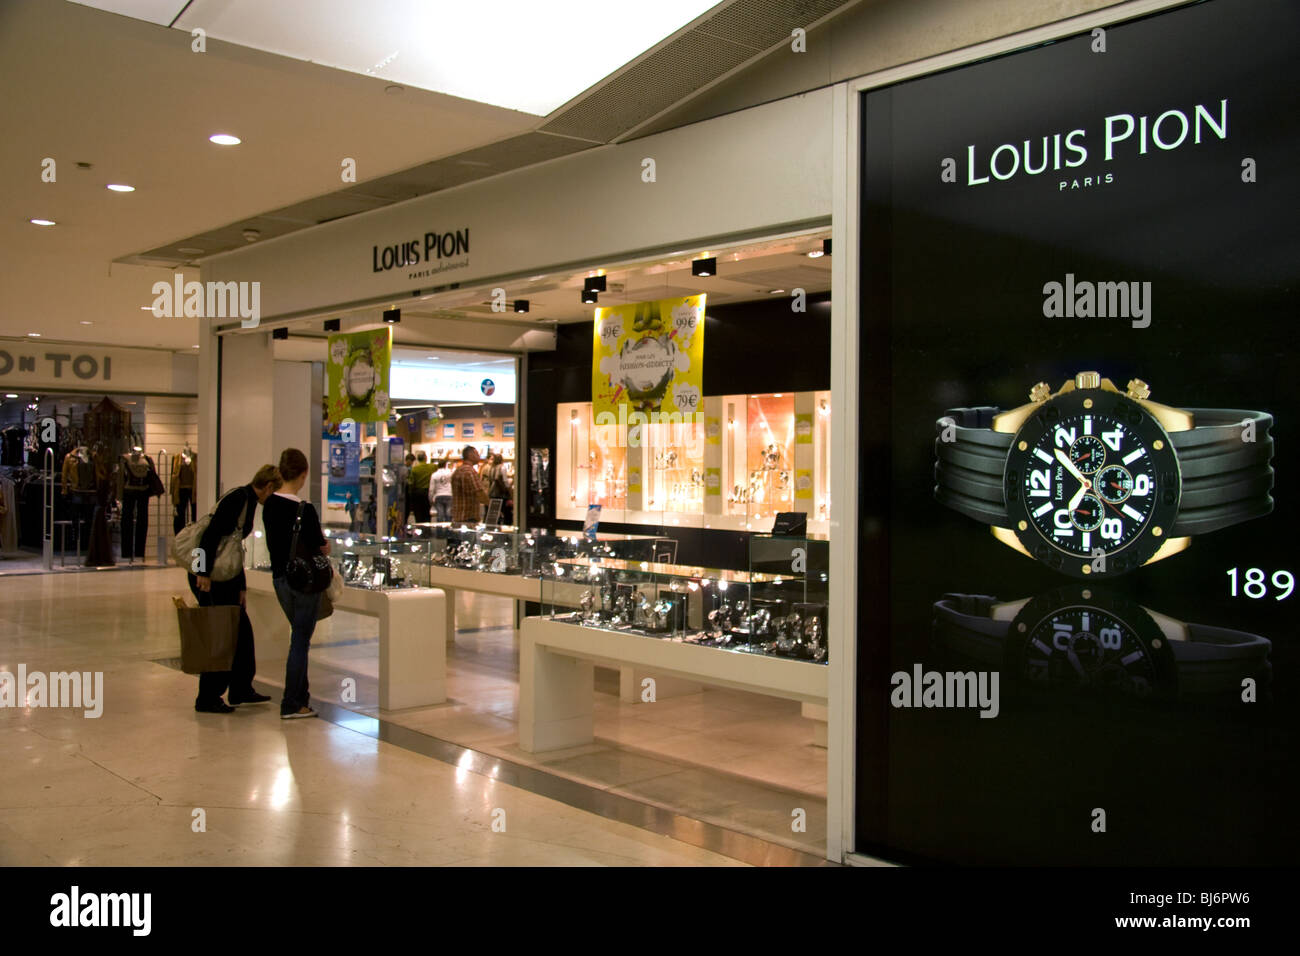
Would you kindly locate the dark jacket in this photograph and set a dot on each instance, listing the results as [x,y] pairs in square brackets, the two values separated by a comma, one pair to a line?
[277,517]
[223,523]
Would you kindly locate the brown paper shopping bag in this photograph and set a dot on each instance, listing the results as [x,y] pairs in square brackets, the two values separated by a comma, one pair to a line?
[208,636]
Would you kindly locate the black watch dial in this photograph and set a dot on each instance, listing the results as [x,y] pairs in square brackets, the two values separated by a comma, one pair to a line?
[1092,484]
[1089,642]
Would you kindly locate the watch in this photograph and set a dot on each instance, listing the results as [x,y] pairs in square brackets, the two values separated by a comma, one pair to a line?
[1081,638]
[1095,482]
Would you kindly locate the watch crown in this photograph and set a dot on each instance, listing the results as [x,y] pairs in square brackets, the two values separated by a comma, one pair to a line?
[1138,389]
[1087,380]
[1040,392]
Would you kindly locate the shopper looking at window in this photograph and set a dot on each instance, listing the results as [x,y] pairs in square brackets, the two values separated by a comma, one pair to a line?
[278,516]
[242,501]
[468,496]
[440,491]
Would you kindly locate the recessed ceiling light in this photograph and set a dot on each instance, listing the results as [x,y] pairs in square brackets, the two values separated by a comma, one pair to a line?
[33,335]
[816,254]
[193,346]
[121,188]
[775,291]
[10,395]
[225,139]
[87,322]
[41,222]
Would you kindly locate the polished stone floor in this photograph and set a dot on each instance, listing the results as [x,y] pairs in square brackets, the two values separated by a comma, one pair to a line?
[150,782]
[741,761]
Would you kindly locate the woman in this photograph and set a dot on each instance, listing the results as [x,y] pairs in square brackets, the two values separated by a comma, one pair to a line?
[278,516]
[498,486]
[440,491]
[226,520]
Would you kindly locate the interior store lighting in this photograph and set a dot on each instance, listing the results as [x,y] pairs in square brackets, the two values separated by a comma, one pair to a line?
[589,297]
[121,188]
[392,316]
[704,267]
[225,139]
[826,246]
[42,222]
[521,305]
[333,325]
[594,284]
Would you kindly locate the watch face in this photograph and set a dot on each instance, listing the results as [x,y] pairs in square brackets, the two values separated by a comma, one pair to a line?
[1092,484]
[1079,639]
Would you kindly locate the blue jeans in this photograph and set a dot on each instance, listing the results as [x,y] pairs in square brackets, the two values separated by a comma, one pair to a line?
[442,508]
[301,610]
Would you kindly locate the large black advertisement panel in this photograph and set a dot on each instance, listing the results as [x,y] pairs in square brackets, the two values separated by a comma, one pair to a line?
[1079,569]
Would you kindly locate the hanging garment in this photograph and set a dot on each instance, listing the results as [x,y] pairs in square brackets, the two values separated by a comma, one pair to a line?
[99,546]
[8,517]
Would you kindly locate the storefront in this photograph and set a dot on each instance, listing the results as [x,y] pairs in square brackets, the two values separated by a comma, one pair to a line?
[98,454]
[757,444]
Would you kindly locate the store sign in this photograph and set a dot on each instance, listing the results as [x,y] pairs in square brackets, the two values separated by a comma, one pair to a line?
[648,357]
[446,249]
[23,365]
[358,375]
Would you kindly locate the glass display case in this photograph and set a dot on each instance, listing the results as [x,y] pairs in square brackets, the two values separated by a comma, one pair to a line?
[514,551]
[778,613]
[734,465]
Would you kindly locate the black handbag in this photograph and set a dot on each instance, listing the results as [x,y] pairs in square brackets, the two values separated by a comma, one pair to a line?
[307,575]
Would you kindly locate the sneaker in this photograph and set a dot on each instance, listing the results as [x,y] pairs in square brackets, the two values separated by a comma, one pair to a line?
[303,712]
[218,706]
[250,697]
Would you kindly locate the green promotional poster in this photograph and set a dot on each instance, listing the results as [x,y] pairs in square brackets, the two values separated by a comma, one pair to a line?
[357,375]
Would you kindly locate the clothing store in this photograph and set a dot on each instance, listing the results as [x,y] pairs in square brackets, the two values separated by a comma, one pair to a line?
[101,474]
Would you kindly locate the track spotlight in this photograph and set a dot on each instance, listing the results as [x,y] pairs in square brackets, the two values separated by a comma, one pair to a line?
[333,325]
[826,246]
[704,267]
[279,333]
[392,316]
[521,305]
[594,284]
[588,296]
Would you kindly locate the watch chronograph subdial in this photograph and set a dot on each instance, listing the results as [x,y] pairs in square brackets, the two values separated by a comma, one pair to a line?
[1114,483]
[1087,647]
[1088,514]
[1088,454]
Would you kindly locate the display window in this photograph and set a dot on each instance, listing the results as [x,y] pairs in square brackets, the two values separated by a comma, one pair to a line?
[736,465]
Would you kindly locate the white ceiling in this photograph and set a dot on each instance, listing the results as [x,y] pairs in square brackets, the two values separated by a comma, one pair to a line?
[520,54]
[131,98]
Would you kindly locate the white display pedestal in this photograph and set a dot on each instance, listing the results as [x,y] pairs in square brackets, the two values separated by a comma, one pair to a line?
[556,671]
[412,645]
[451,580]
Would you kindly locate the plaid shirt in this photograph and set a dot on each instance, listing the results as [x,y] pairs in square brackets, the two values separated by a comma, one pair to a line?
[468,496]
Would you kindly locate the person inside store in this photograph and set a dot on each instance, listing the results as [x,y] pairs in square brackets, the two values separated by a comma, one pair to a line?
[440,491]
[468,494]
[498,485]
[234,514]
[419,488]
[404,476]
[279,515]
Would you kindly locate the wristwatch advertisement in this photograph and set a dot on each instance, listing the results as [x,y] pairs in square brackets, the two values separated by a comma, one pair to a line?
[1079,397]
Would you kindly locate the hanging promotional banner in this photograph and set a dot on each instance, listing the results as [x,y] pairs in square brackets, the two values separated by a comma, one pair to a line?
[649,357]
[357,375]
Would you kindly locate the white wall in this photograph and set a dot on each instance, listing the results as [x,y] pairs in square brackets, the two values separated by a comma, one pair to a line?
[247,412]
[294,414]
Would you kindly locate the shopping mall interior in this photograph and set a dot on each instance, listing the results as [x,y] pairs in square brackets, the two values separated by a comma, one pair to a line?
[607,363]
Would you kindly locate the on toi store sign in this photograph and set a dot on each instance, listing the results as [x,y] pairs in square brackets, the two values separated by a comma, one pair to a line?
[59,365]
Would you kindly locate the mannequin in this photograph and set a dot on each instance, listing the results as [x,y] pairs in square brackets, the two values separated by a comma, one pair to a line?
[133,487]
[183,481]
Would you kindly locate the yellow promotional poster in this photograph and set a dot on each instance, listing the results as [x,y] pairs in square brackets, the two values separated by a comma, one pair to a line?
[649,357]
